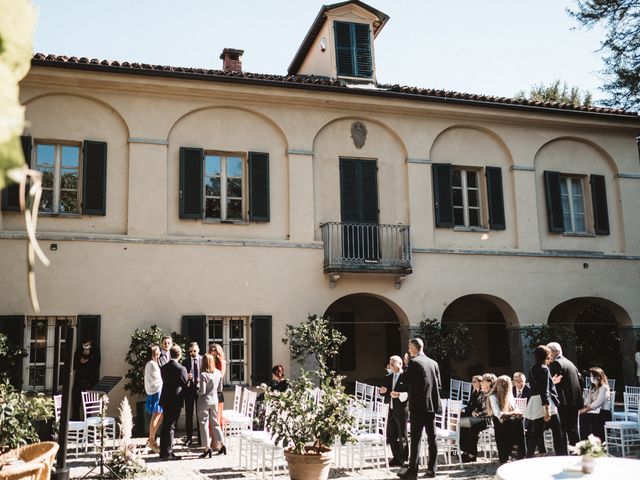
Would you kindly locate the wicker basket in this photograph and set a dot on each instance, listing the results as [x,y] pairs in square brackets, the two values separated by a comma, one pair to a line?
[38,458]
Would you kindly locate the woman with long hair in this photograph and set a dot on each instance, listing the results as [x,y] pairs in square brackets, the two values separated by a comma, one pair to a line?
[215,349]
[209,382]
[153,387]
[542,407]
[476,417]
[596,410]
[507,419]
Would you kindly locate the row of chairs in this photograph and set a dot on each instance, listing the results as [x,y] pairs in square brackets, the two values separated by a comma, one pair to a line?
[622,434]
[460,390]
[85,432]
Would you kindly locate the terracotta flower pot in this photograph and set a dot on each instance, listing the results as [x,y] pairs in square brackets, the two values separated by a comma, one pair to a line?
[311,466]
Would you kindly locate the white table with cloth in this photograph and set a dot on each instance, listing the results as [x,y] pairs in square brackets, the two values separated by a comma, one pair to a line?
[569,467]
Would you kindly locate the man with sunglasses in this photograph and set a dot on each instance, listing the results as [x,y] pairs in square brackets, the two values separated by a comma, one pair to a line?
[192,363]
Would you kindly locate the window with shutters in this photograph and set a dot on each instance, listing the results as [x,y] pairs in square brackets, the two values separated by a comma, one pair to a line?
[231,333]
[60,165]
[353,49]
[45,344]
[467,209]
[573,204]
[224,181]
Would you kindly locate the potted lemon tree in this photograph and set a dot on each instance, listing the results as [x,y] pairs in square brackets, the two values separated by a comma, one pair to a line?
[313,413]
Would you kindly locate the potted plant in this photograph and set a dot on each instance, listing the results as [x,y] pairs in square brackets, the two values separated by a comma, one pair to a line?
[137,357]
[306,426]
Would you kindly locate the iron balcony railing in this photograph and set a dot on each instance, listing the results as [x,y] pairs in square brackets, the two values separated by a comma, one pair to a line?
[363,247]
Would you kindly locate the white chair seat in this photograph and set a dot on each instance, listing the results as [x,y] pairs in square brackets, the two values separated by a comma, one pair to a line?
[76,425]
[370,437]
[95,421]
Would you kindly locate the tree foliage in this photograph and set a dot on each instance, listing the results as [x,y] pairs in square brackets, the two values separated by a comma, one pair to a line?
[445,342]
[544,334]
[557,92]
[138,356]
[10,355]
[621,47]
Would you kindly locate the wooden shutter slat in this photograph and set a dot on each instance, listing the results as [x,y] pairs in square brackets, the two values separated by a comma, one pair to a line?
[363,61]
[259,208]
[194,327]
[495,198]
[11,193]
[368,183]
[344,49]
[94,178]
[261,349]
[554,201]
[443,194]
[599,200]
[191,182]
[348,191]
[13,326]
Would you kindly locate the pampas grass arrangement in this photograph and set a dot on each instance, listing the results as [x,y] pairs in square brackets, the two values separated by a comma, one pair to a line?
[126,462]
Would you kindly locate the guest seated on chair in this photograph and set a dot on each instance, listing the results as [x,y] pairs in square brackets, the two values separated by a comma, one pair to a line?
[507,420]
[476,417]
[596,410]
[521,388]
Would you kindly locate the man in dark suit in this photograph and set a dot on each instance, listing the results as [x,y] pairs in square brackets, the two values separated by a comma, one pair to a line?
[569,386]
[193,364]
[86,363]
[521,388]
[394,391]
[174,379]
[423,383]
[165,347]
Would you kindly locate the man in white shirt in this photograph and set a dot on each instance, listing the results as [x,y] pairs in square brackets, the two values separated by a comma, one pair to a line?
[394,391]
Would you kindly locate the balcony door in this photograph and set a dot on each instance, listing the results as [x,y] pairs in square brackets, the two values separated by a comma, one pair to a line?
[359,209]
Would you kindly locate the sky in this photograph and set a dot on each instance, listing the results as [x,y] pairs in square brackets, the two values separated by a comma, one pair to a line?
[492,47]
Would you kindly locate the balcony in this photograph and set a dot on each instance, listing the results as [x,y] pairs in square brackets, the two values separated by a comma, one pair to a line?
[366,248]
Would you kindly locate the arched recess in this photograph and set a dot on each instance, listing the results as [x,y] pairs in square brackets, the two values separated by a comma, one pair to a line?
[99,101]
[493,329]
[602,335]
[375,327]
[580,158]
[239,131]
[461,148]
[333,141]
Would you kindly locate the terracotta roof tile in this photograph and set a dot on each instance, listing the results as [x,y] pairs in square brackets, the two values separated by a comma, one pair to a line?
[114,66]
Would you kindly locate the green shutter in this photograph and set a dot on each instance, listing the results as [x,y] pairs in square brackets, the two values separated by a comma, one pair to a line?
[344,49]
[13,326]
[349,191]
[194,327]
[554,201]
[363,62]
[259,187]
[94,178]
[600,210]
[368,186]
[89,329]
[11,193]
[442,194]
[495,198]
[261,349]
[191,182]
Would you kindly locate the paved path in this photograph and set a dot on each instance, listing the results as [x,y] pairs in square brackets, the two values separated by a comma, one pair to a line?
[226,468]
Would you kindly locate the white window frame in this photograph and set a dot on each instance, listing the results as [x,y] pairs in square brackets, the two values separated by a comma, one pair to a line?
[223,185]
[57,179]
[465,196]
[226,340]
[51,363]
[568,182]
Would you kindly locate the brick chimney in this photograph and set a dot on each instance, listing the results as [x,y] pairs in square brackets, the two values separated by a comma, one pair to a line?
[231,59]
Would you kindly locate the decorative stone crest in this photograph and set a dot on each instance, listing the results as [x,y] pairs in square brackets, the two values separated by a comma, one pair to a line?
[358,134]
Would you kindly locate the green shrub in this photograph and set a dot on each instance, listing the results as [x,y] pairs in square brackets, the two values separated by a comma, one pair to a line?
[18,412]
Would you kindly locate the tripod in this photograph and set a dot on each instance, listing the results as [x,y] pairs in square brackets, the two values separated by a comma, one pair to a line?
[100,461]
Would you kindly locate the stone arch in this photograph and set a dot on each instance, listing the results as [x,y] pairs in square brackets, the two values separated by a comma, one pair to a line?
[494,329]
[375,327]
[85,97]
[260,115]
[490,133]
[590,143]
[603,331]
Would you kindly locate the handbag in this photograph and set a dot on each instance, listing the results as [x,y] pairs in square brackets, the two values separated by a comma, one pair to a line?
[220,397]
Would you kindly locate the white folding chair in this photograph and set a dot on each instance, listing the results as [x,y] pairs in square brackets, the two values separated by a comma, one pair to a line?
[237,424]
[630,389]
[455,387]
[92,405]
[237,399]
[521,404]
[622,439]
[630,413]
[449,437]
[465,392]
[360,387]
[612,383]
[373,445]
[76,431]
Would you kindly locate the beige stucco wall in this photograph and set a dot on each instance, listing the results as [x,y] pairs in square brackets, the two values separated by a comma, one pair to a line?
[140,264]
